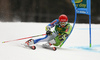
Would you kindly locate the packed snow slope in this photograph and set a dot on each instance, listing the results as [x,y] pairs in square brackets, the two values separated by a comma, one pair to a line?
[75,48]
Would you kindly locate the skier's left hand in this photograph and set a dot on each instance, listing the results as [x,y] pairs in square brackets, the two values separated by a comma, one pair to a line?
[49,33]
[61,38]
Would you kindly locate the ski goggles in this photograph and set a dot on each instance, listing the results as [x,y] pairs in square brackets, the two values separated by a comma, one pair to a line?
[63,23]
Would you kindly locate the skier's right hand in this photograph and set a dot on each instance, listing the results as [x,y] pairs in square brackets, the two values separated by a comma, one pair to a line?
[48,32]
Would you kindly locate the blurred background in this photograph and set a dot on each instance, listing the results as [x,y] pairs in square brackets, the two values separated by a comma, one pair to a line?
[44,11]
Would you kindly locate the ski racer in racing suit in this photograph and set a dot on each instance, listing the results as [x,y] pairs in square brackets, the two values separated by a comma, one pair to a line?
[58,36]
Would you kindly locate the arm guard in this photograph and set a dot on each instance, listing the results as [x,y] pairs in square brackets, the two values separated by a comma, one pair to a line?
[52,24]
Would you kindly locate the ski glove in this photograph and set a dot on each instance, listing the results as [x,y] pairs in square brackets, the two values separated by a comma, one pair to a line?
[49,33]
[61,38]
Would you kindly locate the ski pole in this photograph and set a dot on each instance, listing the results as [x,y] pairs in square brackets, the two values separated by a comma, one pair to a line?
[23,38]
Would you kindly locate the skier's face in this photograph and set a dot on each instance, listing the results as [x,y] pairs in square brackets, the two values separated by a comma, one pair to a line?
[63,24]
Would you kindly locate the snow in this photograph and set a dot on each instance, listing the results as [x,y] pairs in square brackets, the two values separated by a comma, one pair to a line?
[75,48]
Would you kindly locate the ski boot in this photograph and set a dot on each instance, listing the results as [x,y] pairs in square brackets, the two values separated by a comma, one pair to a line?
[29,42]
[33,47]
[54,48]
[47,46]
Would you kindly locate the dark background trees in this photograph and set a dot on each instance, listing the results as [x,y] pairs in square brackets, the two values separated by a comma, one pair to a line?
[43,11]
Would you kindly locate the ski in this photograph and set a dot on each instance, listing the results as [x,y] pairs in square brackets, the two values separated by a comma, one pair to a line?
[51,48]
[34,47]
[30,47]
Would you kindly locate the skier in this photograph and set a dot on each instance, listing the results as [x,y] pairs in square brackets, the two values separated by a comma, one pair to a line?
[59,35]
